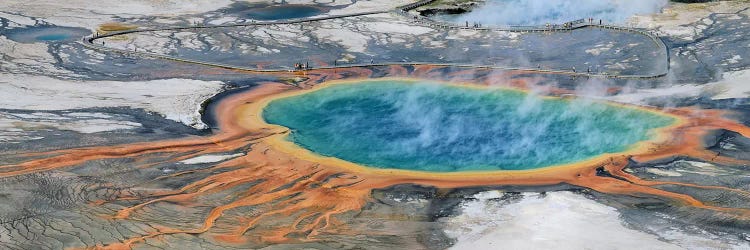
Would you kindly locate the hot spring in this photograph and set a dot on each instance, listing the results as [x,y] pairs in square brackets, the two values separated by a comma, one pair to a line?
[288,11]
[535,12]
[428,126]
[46,33]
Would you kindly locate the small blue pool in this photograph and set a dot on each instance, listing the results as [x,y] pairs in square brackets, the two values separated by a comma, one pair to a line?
[46,33]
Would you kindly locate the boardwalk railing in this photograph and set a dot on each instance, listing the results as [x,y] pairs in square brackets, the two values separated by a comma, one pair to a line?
[573,25]
[402,10]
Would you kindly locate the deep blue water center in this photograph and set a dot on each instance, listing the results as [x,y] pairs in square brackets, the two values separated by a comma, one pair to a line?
[445,128]
[278,12]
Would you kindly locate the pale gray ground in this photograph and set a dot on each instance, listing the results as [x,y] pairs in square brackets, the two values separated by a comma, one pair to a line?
[58,94]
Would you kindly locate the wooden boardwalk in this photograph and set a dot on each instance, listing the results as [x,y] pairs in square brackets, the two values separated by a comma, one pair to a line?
[404,11]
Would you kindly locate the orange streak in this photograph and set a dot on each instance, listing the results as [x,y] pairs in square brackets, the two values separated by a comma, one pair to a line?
[301,193]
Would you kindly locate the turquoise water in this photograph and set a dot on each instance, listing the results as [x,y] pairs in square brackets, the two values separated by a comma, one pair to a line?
[46,33]
[432,127]
[53,37]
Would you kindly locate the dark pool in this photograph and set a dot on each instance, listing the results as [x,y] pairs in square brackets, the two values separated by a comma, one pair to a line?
[279,12]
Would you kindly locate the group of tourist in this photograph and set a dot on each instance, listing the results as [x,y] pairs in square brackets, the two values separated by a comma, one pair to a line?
[299,66]
[591,21]
[569,25]
[475,25]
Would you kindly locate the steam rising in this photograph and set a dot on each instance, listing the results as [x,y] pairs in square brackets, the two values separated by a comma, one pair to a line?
[440,128]
[540,12]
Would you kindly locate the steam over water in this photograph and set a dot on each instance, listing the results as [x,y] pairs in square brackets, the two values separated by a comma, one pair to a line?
[432,127]
[540,12]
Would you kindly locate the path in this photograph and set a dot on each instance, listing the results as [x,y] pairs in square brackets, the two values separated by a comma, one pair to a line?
[404,11]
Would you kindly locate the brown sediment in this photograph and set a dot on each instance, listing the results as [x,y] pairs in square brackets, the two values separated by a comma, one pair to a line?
[112,27]
[397,70]
[115,27]
[302,193]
